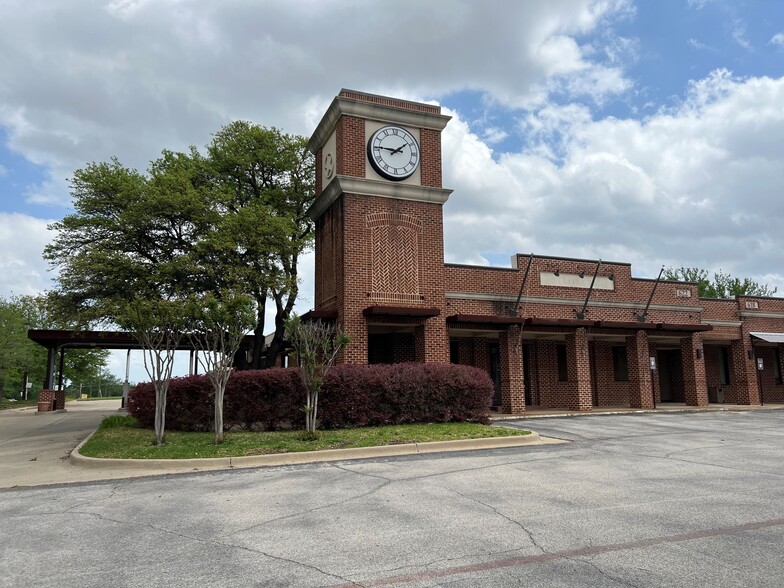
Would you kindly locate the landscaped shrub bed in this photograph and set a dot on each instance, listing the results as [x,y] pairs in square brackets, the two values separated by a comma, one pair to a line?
[352,396]
[367,395]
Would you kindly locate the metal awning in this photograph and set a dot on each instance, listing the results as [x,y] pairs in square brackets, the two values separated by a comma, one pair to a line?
[769,337]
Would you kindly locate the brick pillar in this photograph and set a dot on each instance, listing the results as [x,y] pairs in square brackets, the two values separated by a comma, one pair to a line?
[512,379]
[579,366]
[436,339]
[744,372]
[356,327]
[694,383]
[431,342]
[640,381]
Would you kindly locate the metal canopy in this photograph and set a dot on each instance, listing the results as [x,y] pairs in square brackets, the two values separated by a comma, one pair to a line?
[769,337]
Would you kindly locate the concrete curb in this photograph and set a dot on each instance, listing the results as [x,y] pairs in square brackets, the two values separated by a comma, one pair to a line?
[279,459]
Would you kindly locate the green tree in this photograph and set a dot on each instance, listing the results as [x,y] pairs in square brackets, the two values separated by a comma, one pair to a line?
[19,356]
[159,327]
[267,182]
[216,326]
[317,345]
[177,230]
[723,285]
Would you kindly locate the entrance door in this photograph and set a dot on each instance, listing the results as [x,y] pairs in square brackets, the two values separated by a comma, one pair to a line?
[495,371]
[670,379]
[527,373]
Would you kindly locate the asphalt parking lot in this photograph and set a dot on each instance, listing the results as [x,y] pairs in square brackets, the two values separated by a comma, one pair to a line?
[634,500]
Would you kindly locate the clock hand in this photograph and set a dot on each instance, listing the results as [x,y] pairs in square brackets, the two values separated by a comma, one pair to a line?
[387,148]
[399,149]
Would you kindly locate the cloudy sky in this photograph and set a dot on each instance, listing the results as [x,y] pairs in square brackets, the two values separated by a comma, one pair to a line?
[646,132]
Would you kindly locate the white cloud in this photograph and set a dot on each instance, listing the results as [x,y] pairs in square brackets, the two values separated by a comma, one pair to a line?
[695,44]
[739,35]
[699,185]
[82,85]
[22,240]
[777,39]
[494,135]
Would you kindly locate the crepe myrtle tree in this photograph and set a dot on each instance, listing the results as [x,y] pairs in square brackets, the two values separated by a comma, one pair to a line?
[159,327]
[317,345]
[216,327]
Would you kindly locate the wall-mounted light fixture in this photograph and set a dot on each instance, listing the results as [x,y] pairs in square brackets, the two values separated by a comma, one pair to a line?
[581,274]
[611,277]
[557,271]
[750,353]
[699,353]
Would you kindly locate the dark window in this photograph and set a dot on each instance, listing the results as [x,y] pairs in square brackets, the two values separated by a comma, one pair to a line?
[620,364]
[777,365]
[454,352]
[724,365]
[563,368]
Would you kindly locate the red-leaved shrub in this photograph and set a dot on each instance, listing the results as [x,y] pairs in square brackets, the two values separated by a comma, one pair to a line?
[352,396]
[366,395]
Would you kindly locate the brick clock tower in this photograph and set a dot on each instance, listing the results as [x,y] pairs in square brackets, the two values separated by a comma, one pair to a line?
[379,227]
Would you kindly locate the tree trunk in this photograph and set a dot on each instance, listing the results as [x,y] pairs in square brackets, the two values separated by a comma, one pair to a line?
[160,413]
[258,332]
[219,414]
[276,346]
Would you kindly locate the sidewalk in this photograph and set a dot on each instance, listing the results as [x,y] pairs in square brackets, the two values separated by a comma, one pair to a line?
[536,412]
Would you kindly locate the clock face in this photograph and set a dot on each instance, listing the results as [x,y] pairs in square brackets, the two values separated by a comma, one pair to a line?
[329,166]
[393,152]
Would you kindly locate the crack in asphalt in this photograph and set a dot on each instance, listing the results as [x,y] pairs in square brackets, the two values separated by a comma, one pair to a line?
[314,509]
[591,563]
[503,516]
[219,543]
[636,453]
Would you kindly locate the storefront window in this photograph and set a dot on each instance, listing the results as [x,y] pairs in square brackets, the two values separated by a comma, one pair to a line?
[563,368]
[724,366]
[620,364]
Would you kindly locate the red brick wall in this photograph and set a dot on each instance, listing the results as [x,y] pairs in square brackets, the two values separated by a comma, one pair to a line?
[609,391]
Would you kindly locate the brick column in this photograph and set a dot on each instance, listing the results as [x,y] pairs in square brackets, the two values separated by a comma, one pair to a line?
[640,381]
[436,340]
[512,379]
[354,325]
[744,371]
[694,383]
[579,365]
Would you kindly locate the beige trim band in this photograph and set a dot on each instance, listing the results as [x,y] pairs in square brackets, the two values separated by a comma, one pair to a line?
[370,110]
[569,301]
[363,187]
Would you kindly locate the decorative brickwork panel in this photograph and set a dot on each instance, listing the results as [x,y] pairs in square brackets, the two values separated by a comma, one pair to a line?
[396,256]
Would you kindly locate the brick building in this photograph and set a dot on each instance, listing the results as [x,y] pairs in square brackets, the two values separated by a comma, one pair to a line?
[552,332]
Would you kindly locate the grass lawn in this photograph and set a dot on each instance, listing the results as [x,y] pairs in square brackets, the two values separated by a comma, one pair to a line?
[6,405]
[119,437]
